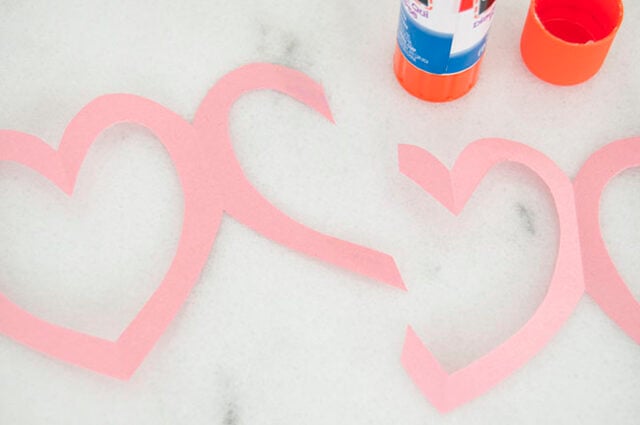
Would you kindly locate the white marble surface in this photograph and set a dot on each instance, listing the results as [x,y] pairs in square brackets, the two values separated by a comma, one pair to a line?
[269,336]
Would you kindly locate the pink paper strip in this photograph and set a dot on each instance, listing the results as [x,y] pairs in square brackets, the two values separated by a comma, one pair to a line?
[603,282]
[244,202]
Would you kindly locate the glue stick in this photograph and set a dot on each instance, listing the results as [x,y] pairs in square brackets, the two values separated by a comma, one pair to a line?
[440,46]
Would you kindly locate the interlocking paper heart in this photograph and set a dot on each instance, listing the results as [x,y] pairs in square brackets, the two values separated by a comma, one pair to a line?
[603,282]
[212,182]
[202,215]
[452,189]
[244,202]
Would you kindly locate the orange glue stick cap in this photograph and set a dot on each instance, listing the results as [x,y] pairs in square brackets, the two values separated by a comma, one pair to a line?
[565,42]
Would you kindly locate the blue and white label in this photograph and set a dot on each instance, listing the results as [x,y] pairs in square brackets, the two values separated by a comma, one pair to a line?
[436,37]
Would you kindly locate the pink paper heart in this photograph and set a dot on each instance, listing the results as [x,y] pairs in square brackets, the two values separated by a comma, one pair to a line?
[245,203]
[603,282]
[447,391]
[212,181]
[202,215]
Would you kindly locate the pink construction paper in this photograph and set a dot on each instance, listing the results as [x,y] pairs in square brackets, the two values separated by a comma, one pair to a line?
[202,215]
[603,282]
[244,202]
[447,391]
[212,182]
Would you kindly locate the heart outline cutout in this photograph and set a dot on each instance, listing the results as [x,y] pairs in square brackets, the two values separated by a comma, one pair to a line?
[122,357]
[602,280]
[244,203]
[447,391]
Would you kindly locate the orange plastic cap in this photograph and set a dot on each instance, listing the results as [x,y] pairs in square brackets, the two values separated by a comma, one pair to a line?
[565,42]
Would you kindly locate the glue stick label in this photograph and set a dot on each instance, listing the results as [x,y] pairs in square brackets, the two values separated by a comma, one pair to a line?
[444,36]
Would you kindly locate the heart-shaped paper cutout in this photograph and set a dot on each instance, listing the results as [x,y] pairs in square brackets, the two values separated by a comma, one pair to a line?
[244,202]
[212,181]
[202,215]
[452,189]
[602,280]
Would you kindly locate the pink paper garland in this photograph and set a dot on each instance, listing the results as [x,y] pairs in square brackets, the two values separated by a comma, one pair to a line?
[213,183]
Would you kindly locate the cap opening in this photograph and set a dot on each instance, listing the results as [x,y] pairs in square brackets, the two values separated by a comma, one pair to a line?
[579,21]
